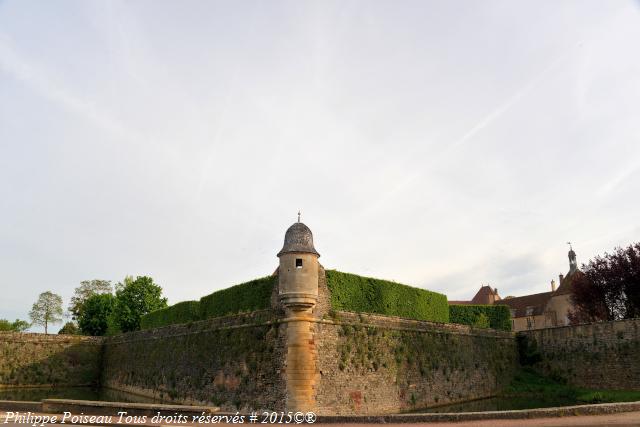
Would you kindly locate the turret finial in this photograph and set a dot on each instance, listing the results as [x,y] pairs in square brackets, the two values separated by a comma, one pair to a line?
[573,263]
[298,216]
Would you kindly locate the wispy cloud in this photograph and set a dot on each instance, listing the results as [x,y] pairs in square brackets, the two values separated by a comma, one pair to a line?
[214,124]
[32,76]
[483,123]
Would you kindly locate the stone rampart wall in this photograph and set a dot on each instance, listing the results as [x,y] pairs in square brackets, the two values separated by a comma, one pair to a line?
[597,355]
[28,359]
[370,364]
[234,362]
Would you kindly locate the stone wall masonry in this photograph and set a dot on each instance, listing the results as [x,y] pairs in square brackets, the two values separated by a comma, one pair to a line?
[602,355]
[323,306]
[28,360]
[371,364]
[234,362]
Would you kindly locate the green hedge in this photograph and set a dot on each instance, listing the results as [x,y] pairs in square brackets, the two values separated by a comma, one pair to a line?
[350,292]
[182,312]
[498,316]
[245,297]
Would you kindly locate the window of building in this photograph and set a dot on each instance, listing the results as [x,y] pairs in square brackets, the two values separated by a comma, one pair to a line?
[298,262]
[513,312]
[529,311]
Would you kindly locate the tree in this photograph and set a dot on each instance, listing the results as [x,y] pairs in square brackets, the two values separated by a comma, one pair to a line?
[134,299]
[97,309]
[17,326]
[69,328]
[48,309]
[609,289]
[86,290]
[113,328]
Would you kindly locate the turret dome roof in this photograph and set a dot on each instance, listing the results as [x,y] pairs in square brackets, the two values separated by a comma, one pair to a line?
[298,238]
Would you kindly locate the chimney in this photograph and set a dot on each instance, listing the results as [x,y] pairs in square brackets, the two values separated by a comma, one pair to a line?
[553,285]
[560,278]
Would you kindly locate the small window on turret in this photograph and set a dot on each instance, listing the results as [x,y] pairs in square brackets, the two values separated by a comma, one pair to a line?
[298,262]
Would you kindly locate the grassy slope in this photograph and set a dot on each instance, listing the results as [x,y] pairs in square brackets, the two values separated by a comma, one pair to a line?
[529,384]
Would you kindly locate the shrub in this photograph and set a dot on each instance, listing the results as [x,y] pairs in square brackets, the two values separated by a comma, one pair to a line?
[69,328]
[17,326]
[482,321]
[499,316]
[350,292]
[245,297]
[182,312]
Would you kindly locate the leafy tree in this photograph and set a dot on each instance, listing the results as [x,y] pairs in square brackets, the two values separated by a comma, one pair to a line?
[609,289]
[86,290]
[20,325]
[17,326]
[69,328]
[113,328]
[96,311]
[134,299]
[5,325]
[47,309]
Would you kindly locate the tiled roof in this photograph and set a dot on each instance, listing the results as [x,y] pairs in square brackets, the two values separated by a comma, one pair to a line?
[520,304]
[484,296]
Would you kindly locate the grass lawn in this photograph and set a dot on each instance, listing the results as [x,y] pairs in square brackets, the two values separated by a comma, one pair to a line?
[528,383]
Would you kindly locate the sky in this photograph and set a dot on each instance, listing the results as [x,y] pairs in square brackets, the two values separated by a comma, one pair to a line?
[441,144]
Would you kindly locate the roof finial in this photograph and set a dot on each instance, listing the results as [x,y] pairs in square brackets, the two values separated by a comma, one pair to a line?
[573,263]
[298,216]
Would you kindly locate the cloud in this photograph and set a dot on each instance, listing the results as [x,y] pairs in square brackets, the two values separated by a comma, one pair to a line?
[32,76]
[483,123]
[421,144]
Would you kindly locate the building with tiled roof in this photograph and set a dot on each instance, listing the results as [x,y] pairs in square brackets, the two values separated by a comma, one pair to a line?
[536,311]
[547,309]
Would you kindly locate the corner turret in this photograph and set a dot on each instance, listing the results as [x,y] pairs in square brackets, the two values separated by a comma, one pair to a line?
[298,271]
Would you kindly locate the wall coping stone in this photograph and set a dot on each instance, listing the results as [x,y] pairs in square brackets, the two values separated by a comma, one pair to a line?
[38,337]
[233,321]
[268,318]
[404,324]
[602,323]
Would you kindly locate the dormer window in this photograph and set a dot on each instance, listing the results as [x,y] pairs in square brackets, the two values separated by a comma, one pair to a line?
[529,311]
[298,262]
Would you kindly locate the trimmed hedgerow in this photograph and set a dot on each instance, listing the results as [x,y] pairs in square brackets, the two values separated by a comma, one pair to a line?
[350,292]
[182,312]
[245,297]
[499,316]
